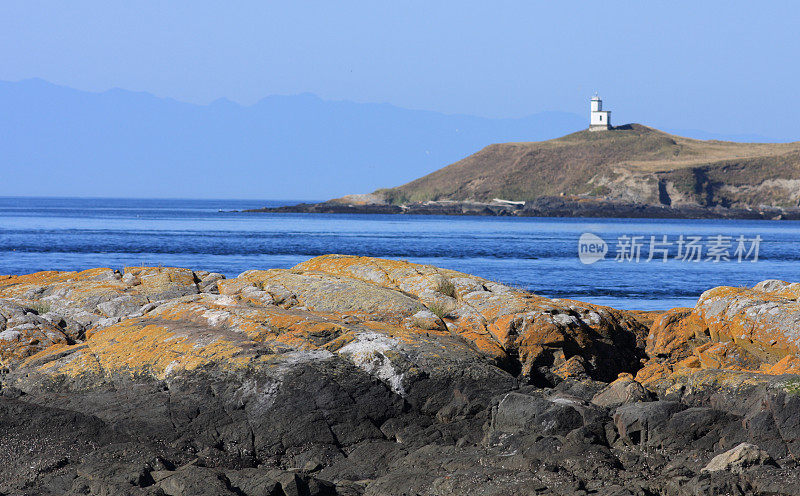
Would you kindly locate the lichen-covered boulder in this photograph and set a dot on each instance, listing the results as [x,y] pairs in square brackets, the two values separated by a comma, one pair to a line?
[537,335]
[747,329]
[354,375]
[24,332]
[98,296]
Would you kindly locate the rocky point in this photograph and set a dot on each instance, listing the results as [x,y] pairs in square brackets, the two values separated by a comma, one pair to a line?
[362,376]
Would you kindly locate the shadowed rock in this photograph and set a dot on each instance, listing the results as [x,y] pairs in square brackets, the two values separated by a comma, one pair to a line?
[354,375]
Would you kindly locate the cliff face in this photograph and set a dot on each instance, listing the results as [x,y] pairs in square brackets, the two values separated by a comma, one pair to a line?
[631,163]
[352,375]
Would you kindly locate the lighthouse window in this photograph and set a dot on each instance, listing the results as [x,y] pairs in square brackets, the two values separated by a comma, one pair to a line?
[601,117]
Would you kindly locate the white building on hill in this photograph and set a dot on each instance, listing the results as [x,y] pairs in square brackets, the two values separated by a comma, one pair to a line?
[599,119]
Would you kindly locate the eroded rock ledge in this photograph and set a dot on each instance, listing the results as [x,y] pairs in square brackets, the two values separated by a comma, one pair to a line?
[546,206]
[352,375]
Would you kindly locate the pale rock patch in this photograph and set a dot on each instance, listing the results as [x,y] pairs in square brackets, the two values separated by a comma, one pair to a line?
[367,352]
[739,458]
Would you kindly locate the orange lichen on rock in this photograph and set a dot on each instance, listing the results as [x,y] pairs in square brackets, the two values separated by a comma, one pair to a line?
[744,329]
[14,285]
[90,297]
[672,333]
[319,292]
[321,304]
[789,364]
[24,333]
[499,320]
[140,347]
[329,301]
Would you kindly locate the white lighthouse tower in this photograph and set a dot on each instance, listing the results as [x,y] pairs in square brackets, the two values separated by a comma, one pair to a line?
[599,119]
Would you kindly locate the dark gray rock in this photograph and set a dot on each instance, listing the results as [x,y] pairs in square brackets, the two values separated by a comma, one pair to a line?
[637,421]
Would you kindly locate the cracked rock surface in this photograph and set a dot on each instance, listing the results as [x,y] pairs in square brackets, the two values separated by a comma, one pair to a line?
[353,375]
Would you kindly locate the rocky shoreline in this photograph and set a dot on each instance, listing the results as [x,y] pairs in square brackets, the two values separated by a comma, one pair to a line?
[362,376]
[543,207]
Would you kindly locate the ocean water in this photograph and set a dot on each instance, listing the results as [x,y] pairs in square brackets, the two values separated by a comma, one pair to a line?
[539,254]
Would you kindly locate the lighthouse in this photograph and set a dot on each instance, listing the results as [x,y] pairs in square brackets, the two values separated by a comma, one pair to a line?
[599,119]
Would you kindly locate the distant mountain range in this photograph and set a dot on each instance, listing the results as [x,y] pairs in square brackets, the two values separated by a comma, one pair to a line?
[60,141]
[57,141]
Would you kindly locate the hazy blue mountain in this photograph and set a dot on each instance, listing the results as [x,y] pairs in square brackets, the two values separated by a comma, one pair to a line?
[64,142]
[60,141]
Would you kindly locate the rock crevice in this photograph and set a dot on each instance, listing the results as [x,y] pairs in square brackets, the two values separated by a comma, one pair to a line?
[352,375]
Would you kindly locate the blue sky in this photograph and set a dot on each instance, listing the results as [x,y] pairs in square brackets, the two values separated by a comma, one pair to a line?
[720,66]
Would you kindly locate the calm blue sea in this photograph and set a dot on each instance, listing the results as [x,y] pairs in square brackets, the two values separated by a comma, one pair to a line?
[540,254]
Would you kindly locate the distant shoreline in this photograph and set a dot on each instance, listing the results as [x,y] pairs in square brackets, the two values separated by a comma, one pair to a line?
[543,207]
